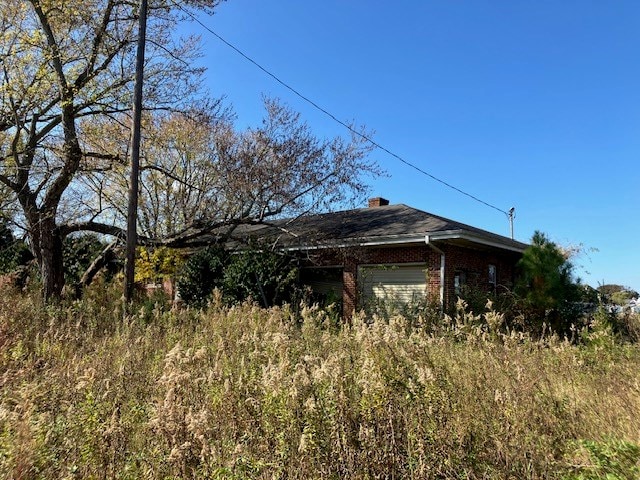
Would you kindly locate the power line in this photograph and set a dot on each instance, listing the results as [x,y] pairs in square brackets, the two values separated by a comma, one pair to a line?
[334,118]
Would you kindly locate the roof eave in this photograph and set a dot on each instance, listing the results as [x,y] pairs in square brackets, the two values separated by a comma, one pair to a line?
[507,244]
[418,238]
[363,242]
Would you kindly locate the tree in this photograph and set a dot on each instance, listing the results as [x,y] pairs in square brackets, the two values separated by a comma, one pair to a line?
[547,284]
[201,175]
[67,76]
[618,294]
[200,274]
[67,66]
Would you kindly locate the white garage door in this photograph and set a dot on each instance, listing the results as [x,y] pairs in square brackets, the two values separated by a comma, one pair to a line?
[400,284]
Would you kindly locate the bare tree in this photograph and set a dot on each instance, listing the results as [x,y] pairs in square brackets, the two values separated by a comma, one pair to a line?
[201,175]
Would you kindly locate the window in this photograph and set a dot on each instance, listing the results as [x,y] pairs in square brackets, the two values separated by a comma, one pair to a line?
[492,276]
[459,280]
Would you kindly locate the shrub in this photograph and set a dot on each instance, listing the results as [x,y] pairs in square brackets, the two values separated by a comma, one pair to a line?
[201,274]
[267,277]
[153,264]
[13,252]
[78,253]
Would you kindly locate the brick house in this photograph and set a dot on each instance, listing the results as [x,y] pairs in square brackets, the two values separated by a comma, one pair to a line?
[394,251]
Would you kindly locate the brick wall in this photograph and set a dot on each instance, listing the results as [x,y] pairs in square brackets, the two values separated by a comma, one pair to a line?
[474,263]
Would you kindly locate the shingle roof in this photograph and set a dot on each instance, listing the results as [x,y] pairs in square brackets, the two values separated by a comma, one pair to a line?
[385,224]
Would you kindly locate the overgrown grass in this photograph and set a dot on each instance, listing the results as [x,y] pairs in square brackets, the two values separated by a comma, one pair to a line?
[242,392]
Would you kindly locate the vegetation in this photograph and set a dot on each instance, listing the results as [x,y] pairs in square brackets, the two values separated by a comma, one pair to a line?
[245,392]
[202,273]
[616,294]
[13,251]
[78,253]
[547,288]
[66,83]
[267,277]
[67,70]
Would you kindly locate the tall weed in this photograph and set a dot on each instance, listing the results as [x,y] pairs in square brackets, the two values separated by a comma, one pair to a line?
[246,392]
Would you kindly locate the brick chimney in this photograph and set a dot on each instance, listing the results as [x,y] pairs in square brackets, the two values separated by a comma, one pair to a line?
[378,202]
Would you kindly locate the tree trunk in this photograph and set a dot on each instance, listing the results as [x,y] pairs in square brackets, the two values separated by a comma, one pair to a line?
[47,247]
[106,256]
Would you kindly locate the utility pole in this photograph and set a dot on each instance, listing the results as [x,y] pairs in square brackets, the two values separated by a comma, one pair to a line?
[512,216]
[132,212]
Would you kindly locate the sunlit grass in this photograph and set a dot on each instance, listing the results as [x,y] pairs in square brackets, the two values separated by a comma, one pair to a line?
[244,392]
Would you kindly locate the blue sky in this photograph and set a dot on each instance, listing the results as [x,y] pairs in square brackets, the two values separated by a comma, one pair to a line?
[532,105]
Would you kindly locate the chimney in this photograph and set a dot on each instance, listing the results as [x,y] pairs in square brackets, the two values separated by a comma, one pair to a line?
[378,202]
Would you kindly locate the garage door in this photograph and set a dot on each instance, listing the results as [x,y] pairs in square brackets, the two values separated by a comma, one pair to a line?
[399,284]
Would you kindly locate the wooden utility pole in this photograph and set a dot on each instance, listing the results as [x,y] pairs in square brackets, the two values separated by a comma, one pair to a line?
[132,213]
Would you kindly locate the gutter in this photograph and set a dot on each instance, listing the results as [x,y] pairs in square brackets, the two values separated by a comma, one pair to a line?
[510,245]
[427,241]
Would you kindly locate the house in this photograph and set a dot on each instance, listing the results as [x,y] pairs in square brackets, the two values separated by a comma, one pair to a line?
[394,252]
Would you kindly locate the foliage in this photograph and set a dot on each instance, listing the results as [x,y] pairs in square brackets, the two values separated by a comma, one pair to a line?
[589,295]
[157,263]
[79,251]
[67,71]
[264,276]
[267,277]
[13,252]
[628,326]
[623,296]
[608,290]
[244,392]
[201,273]
[67,76]
[611,460]
[546,285]
[203,174]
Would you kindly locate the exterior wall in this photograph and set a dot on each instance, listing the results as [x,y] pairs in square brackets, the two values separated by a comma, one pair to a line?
[474,263]
[352,258]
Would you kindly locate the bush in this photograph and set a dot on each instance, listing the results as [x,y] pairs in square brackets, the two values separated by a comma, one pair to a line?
[267,277]
[201,274]
[13,252]
[78,253]
[155,264]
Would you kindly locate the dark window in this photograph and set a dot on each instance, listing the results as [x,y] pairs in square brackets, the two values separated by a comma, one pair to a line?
[459,281]
[492,276]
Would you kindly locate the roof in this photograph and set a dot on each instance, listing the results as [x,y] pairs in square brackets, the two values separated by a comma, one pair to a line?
[384,225]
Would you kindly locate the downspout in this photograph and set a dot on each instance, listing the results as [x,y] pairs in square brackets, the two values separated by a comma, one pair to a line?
[442,259]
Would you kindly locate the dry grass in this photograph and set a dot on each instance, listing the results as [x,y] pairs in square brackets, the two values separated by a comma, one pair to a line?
[245,392]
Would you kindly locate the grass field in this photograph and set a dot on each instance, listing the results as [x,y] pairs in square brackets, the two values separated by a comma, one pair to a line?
[243,392]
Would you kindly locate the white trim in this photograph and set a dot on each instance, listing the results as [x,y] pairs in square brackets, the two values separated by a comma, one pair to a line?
[463,235]
[413,239]
[394,264]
